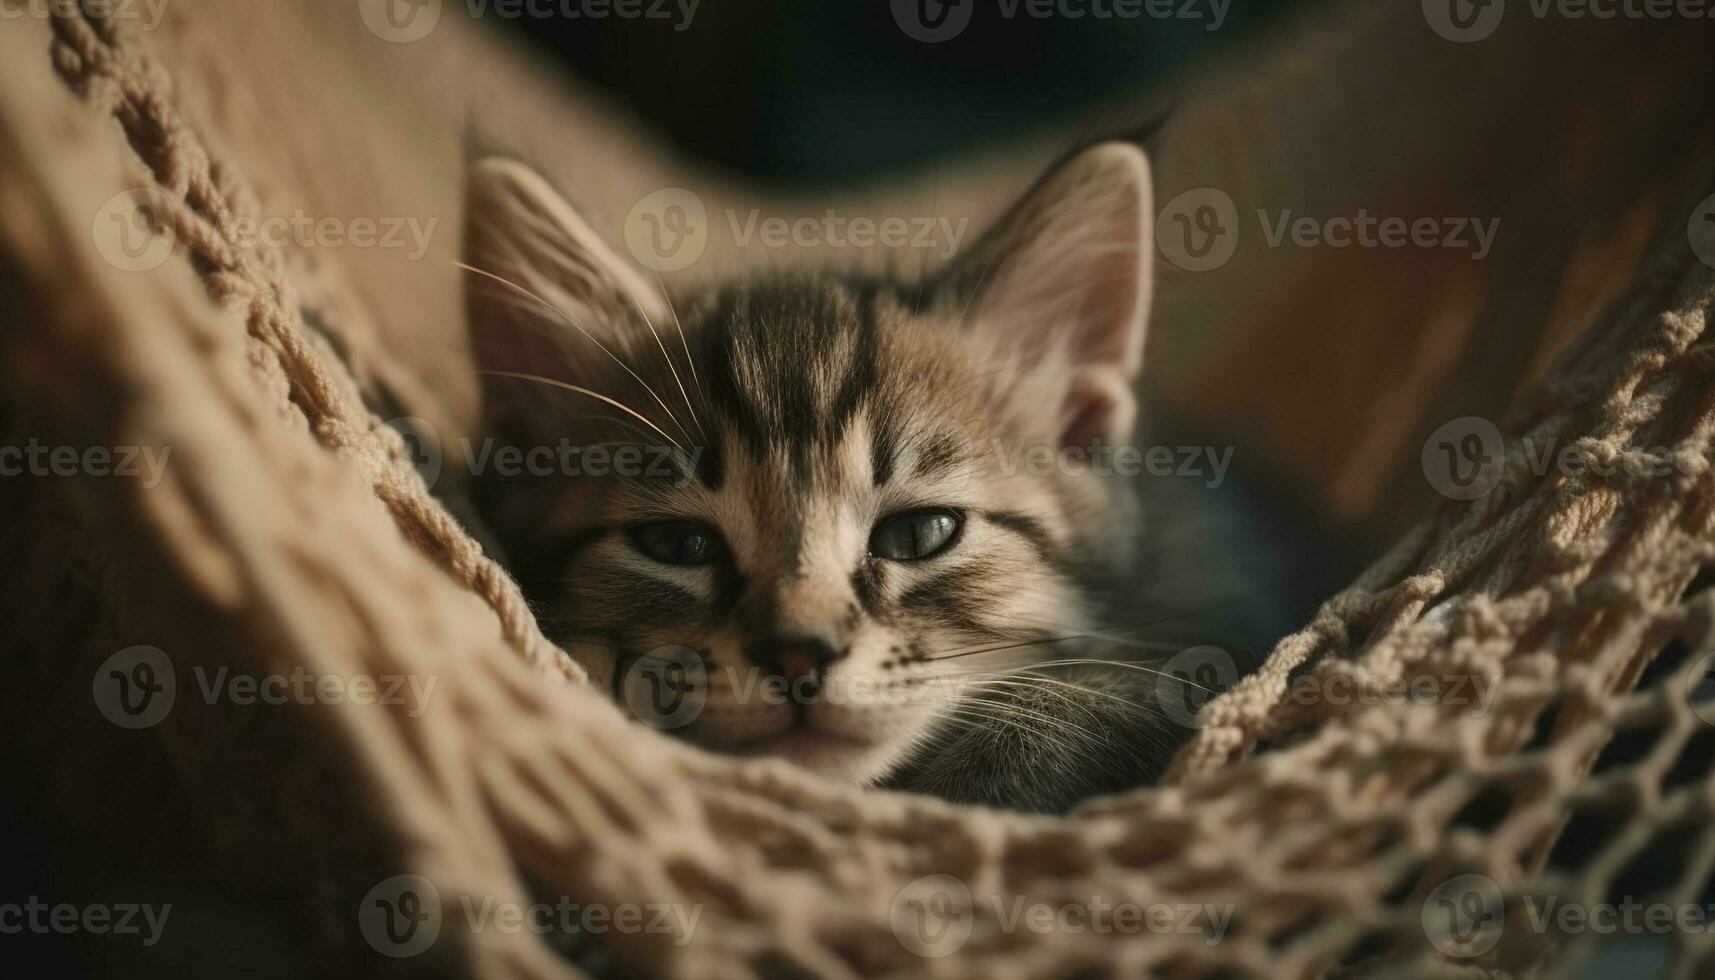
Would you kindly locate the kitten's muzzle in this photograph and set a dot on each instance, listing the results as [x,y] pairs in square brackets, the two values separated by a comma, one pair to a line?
[800,662]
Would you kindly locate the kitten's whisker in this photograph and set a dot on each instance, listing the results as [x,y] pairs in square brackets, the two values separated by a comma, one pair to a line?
[923,269]
[1051,640]
[953,652]
[1124,665]
[609,418]
[1028,672]
[1025,685]
[1045,719]
[1160,645]
[1036,665]
[589,336]
[954,677]
[684,342]
[670,366]
[593,394]
[978,288]
[1014,709]
[956,653]
[980,719]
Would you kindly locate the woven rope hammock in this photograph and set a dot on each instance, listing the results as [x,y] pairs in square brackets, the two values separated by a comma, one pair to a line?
[292,533]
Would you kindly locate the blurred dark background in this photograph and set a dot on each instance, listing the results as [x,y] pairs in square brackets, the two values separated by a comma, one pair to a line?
[809,92]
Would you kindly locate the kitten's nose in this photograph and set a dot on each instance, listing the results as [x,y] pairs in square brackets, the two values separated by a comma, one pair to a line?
[795,658]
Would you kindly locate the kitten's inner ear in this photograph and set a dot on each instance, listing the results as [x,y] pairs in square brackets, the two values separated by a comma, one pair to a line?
[1064,285]
[546,282]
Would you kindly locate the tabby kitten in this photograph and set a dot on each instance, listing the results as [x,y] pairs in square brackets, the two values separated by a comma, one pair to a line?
[832,538]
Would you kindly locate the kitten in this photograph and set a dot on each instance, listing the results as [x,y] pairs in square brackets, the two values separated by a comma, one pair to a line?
[831,535]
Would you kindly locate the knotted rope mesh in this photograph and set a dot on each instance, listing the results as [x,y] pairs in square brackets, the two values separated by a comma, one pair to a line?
[1318,822]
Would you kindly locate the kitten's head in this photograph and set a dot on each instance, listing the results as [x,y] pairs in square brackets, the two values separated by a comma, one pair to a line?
[828,503]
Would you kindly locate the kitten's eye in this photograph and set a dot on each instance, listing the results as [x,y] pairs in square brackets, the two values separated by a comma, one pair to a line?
[679,543]
[914,535]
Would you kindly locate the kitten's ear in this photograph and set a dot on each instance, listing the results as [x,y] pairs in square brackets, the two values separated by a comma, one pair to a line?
[1064,283]
[544,277]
